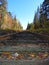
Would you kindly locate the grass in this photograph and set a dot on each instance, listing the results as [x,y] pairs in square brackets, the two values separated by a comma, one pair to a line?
[24,48]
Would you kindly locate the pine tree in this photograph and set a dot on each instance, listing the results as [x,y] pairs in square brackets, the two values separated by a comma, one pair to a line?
[36,19]
[3,3]
[44,14]
[17,25]
[30,27]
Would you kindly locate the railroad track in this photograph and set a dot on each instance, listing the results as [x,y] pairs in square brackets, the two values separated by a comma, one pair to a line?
[18,34]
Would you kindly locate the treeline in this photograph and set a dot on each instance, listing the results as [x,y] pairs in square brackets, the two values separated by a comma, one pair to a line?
[7,21]
[39,24]
[41,19]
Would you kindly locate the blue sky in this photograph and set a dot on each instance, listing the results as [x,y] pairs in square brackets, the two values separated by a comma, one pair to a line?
[24,10]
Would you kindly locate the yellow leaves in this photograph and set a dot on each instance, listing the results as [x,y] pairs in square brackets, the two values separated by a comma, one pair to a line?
[32,55]
[20,56]
[4,53]
[45,55]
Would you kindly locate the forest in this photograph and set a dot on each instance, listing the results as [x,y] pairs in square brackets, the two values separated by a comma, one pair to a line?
[40,23]
[41,19]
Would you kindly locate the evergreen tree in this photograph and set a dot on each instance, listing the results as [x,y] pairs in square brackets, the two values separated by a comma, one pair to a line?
[30,27]
[3,3]
[36,19]
[16,25]
[44,14]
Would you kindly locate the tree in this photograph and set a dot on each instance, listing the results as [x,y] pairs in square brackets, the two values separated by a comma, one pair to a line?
[30,27]
[44,14]
[36,19]
[3,3]
[17,25]
[41,18]
[2,10]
